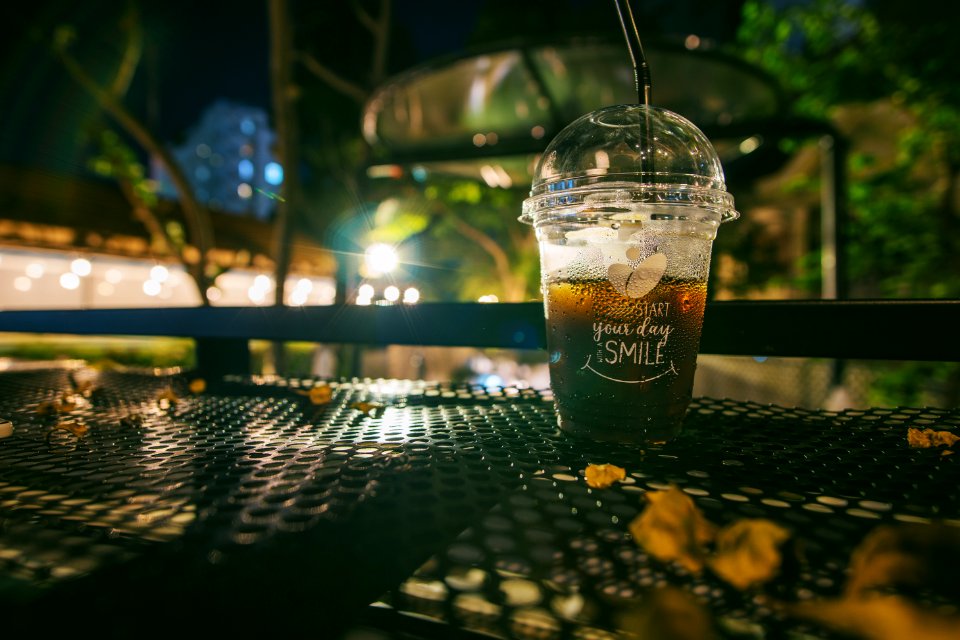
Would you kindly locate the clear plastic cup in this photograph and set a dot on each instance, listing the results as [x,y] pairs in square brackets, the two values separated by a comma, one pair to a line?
[626,202]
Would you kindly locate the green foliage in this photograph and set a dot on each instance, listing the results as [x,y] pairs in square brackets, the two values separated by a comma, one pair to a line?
[64,36]
[823,52]
[468,235]
[115,159]
[902,221]
[396,220]
[903,226]
[176,234]
[913,384]
[132,352]
[464,192]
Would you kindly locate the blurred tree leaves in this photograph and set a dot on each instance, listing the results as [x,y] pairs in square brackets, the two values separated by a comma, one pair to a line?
[885,74]
[832,56]
[116,159]
[467,233]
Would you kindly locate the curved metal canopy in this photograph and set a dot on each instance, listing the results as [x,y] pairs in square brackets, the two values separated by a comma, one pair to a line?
[509,102]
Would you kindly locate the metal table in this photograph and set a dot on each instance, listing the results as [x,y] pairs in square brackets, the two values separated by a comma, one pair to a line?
[452,511]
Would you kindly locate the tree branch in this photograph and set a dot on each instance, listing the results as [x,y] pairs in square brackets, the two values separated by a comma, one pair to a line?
[365,18]
[287,145]
[145,215]
[342,85]
[132,52]
[381,44]
[488,244]
[198,221]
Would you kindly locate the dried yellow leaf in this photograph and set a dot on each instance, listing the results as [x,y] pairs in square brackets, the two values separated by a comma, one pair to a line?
[906,555]
[927,438]
[319,394]
[82,387]
[672,528]
[879,617]
[748,552]
[75,428]
[48,407]
[197,386]
[601,476]
[56,406]
[168,395]
[944,439]
[668,613]
[373,409]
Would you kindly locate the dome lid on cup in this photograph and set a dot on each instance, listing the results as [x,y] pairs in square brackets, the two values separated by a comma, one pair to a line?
[613,158]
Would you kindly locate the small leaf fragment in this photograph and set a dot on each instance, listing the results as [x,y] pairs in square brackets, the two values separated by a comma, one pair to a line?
[168,395]
[668,613]
[372,409]
[928,438]
[879,617]
[77,429]
[319,394]
[906,556]
[601,476]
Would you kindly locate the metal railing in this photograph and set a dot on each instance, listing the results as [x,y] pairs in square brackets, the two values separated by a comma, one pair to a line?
[841,329]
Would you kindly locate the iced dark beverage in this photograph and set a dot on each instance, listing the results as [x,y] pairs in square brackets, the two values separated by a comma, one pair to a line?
[624,262]
[625,363]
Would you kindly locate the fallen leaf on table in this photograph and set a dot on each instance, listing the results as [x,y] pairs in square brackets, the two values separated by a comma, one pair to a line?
[879,617]
[56,406]
[168,395]
[927,438]
[668,613]
[372,409]
[197,386]
[77,429]
[82,387]
[748,552]
[48,407]
[671,527]
[906,555]
[318,394]
[601,476]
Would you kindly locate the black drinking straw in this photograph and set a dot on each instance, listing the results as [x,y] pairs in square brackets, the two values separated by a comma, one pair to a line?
[641,79]
[641,71]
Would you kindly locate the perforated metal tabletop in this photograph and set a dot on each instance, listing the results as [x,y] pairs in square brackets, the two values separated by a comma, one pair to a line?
[445,510]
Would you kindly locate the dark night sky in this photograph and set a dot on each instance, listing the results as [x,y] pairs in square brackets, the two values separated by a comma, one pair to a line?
[198,52]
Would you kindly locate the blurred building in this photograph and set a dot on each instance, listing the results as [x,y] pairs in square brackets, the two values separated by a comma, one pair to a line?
[70,242]
[229,161]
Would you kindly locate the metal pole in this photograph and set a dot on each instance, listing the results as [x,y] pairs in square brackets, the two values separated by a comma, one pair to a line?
[832,231]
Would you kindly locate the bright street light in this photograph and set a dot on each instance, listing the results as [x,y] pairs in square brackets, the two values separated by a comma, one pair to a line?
[380,258]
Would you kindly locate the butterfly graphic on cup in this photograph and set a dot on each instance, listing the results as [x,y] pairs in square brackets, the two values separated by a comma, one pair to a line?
[636,282]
